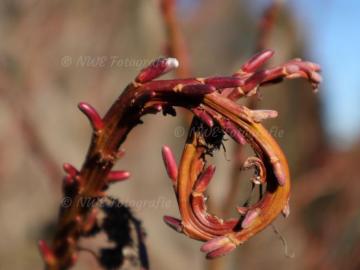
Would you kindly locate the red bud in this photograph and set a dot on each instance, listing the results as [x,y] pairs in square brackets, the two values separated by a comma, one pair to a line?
[173,223]
[46,253]
[94,118]
[250,217]
[257,61]
[203,181]
[156,69]
[117,176]
[203,116]
[170,163]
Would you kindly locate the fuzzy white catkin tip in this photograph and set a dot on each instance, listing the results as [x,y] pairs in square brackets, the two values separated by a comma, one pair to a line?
[172,63]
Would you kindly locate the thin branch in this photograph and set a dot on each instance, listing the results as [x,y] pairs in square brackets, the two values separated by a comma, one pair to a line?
[29,132]
[267,23]
[176,45]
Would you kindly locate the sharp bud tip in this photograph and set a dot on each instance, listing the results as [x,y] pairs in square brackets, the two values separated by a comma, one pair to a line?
[250,217]
[170,163]
[172,63]
[173,223]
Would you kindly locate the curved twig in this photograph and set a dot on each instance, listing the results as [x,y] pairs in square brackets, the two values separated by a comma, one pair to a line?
[146,95]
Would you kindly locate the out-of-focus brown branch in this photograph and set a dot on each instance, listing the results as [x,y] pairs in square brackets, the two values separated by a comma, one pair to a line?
[38,148]
[29,132]
[267,23]
[176,45]
[335,185]
[30,65]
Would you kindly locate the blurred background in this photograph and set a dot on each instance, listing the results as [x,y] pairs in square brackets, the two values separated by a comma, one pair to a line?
[54,54]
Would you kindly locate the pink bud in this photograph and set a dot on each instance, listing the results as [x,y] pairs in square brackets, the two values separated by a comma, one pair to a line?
[257,61]
[215,243]
[70,169]
[250,217]
[117,176]
[203,181]
[173,223]
[203,116]
[156,69]
[233,132]
[316,77]
[226,249]
[170,163]
[46,252]
[94,118]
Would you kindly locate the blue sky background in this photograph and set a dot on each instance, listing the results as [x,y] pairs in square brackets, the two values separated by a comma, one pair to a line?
[331,29]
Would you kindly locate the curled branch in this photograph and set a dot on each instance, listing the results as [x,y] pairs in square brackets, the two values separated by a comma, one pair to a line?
[208,99]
